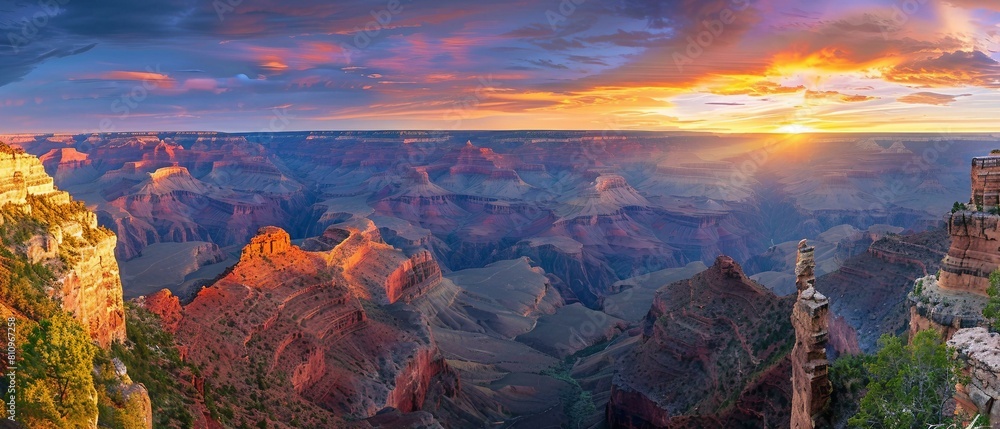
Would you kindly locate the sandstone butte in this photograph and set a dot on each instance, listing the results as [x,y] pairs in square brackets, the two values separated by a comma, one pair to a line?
[952,302]
[323,326]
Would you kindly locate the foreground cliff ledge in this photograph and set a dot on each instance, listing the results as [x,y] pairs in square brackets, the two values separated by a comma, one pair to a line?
[979,349]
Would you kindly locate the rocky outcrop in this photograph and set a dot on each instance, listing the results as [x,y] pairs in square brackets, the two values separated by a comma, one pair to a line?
[315,318]
[89,286]
[417,273]
[956,297]
[165,305]
[979,350]
[92,290]
[975,238]
[717,334]
[811,385]
[134,395]
[943,310]
[986,181]
[269,241]
[805,267]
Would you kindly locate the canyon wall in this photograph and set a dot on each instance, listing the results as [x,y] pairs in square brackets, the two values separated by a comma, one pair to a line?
[986,181]
[952,302]
[974,252]
[89,286]
[954,299]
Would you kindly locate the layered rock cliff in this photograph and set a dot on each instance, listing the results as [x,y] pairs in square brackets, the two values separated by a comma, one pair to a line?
[721,336]
[55,261]
[952,303]
[88,286]
[956,297]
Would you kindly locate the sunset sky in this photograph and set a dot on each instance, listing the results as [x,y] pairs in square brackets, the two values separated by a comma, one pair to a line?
[713,65]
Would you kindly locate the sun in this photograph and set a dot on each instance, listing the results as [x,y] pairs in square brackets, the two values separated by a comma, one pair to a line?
[796,129]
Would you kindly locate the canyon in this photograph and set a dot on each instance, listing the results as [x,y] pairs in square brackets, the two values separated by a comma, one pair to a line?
[590,208]
[430,279]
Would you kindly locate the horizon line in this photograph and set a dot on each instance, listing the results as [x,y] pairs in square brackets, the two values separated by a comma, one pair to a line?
[65,133]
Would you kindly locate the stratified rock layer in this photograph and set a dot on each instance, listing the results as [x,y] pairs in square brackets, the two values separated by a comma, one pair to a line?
[810,317]
[975,238]
[318,325]
[90,287]
[955,299]
[986,180]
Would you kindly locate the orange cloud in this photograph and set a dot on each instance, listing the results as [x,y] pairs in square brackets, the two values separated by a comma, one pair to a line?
[743,85]
[837,96]
[160,79]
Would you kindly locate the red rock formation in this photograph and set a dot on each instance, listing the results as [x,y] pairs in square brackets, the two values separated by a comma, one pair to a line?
[708,341]
[284,310]
[805,267]
[955,299]
[975,237]
[269,241]
[417,273]
[165,305]
[811,385]
[979,350]
[986,181]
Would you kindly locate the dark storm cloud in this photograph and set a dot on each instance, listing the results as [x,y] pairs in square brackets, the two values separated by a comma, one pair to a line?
[131,20]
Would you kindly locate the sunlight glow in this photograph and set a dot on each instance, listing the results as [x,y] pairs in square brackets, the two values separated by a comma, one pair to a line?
[796,129]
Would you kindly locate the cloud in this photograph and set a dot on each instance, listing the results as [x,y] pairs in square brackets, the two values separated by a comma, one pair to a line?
[14,67]
[548,64]
[931,98]
[975,4]
[756,89]
[837,96]
[959,68]
[631,39]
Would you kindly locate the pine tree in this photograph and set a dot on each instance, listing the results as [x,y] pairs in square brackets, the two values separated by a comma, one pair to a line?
[909,385]
[58,363]
[992,310]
